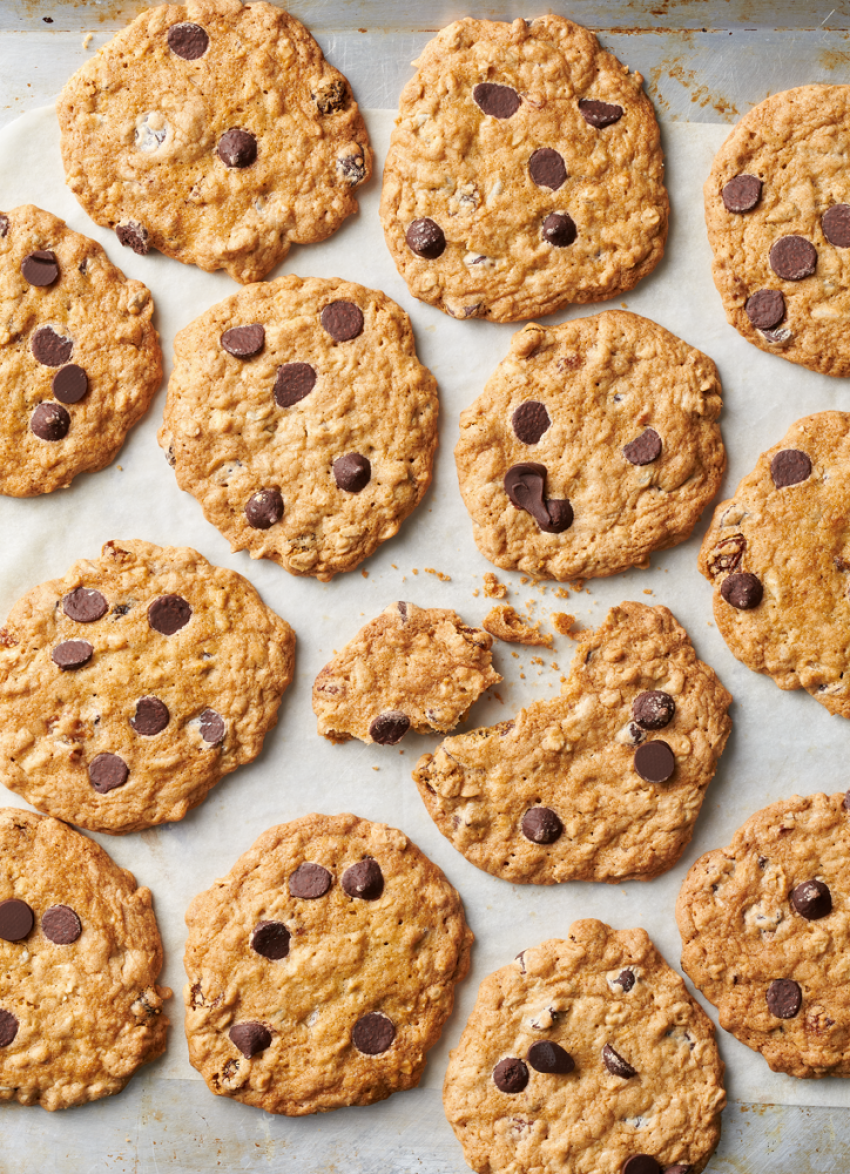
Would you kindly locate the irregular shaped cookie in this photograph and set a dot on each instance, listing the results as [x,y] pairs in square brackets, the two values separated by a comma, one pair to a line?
[593,444]
[412,667]
[586,1055]
[507,624]
[777,206]
[603,783]
[301,419]
[216,133]
[131,686]
[321,969]
[524,172]
[778,554]
[766,935]
[80,1008]
[79,359]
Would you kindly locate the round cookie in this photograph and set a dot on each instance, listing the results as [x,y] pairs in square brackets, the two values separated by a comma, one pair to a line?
[132,685]
[593,444]
[586,1055]
[603,783]
[411,668]
[80,1008]
[216,133]
[301,419]
[777,207]
[778,554]
[321,969]
[79,359]
[765,927]
[524,172]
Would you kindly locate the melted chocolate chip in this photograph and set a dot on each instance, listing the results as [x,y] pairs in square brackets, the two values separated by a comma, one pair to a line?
[784,998]
[789,467]
[547,169]
[309,881]
[49,348]
[270,939]
[625,979]
[510,1075]
[188,40]
[8,1028]
[237,148]
[294,382]
[812,900]
[615,1063]
[133,235]
[765,309]
[742,193]
[342,320]
[212,727]
[496,100]
[40,268]
[169,614]
[250,1038]
[106,772]
[546,1056]
[426,239]
[599,114]
[363,880]
[645,449]
[264,509]
[61,925]
[243,342]
[352,472]
[792,258]
[72,654]
[524,485]
[836,225]
[641,1164]
[84,605]
[50,422]
[541,825]
[655,761]
[742,590]
[388,728]
[373,1034]
[4,225]
[70,384]
[16,920]
[151,716]
[559,229]
[530,421]
[653,710]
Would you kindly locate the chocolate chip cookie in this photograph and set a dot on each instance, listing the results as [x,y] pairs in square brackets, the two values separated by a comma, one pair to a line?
[524,172]
[765,934]
[301,419]
[216,133]
[587,1055]
[411,668]
[131,686]
[79,359]
[603,783]
[777,206]
[593,444]
[778,554]
[321,969]
[80,1008]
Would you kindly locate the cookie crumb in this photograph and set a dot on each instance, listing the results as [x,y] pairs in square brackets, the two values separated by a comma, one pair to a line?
[87,40]
[647,591]
[506,624]
[562,592]
[365,574]
[443,578]
[475,592]
[563,623]
[493,589]
[416,570]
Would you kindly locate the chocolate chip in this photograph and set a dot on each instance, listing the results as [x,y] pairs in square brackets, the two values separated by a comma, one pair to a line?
[524,485]
[49,348]
[169,614]
[641,1164]
[599,114]
[836,225]
[615,1063]
[541,825]
[793,257]
[496,100]
[188,40]
[559,229]
[790,467]
[363,880]
[294,382]
[237,148]
[40,268]
[342,320]
[546,1056]
[8,1028]
[625,979]
[765,309]
[309,881]
[645,449]
[784,998]
[84,605]
[72,654]
[264,509]
[133,235]
[270,939]
[250,1038]
[812,900]
[742,193]
[402,610]
[426,239]
[245,341]
[653,710]
[353,167]
[388,728]
[4,225]
[70,384]
[50,422]
[742,590]
[212,727]
[16,920]
[61,925]
[151,716]
[510,1075]
[560,516]
[655,761]
[106,772]
[530,421]
[547,168]
[352,472]
[372,1034]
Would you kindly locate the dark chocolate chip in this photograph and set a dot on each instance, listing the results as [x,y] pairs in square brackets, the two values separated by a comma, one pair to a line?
[426,239]
[49,348]
[243,342]
[169,614]
[742,590]
[151,716]
[264,509]
[212,727]
[559,229]
[270,939]
[72,654]
[8,1028]
[836,225]
[388,728]
[599,114]
[342,320]
[106,772]
[294,382]
[547,169]
[790,467]
[4,225]
[641,1164]
[133,235]
[765,309]
[237,148]
[309,881]
[655,761]
[352,472]
[188,40]
[40,268]
[61,925]
[625,979]
[50,422]
[495,100]
[546,1056]
[793,257]
[70,384]
[510,1075]
[812,900]
[16,920]
[373,1034]
[560,516]
[84,605]
[653,710]
[615,1063]
[742,193]
[530,421]
[784,998]
[364,880]
[645,449]
[250,1038]
[524,485]
[541,825]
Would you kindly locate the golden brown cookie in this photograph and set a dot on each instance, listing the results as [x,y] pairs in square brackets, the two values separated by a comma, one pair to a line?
[586,1055]
[322,968]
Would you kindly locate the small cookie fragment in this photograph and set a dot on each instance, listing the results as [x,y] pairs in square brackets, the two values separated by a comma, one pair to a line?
[493,588]
[411,668]
[564,624]
[505,623]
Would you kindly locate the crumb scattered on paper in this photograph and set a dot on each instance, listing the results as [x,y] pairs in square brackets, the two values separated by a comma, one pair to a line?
[647,591]
[493,589]
[564,624]
[475,592]
[443,578]
[365,574]
[87,40]
[506,624]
